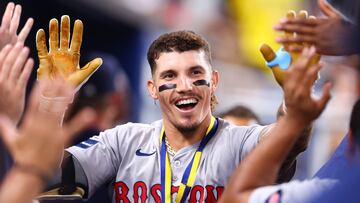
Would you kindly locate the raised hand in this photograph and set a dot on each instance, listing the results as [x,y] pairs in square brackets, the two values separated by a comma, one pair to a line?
[37,145]
[297,85]
[61,60]
[279,62]
[15,69]
[331,36]
[9,26]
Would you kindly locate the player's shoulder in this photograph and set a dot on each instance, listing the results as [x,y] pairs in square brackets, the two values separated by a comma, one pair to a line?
[130,130]
[228,128]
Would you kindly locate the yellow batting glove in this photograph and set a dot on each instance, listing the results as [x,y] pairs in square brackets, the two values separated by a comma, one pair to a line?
[61,60]
[280,61]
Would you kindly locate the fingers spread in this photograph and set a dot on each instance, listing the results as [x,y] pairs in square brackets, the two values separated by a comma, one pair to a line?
[297,70]
[26,30]
[81,76]
[291,41]
[3,53]
[25,74]
[65,33]
[77,37]
[54,35]
[18,66]
[325,96]
[312,74]
[14,24]
[288,34]
[5,23]
[9,61]
[41,43]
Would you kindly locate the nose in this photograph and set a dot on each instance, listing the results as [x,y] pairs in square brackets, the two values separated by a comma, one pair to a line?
[184,84]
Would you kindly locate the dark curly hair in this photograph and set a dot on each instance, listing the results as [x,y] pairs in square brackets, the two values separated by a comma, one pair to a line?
[179,41]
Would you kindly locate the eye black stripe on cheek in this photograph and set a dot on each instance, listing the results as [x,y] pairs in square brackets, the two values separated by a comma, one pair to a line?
[167,87]
[201,82]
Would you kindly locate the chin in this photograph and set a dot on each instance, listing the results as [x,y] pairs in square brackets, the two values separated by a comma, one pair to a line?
[187,127]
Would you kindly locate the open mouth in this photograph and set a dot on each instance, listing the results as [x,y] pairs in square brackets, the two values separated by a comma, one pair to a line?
[186,104]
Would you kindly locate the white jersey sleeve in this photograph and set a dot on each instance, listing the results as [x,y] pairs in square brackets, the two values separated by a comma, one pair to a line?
[292,192]
[242,139]
[100,156]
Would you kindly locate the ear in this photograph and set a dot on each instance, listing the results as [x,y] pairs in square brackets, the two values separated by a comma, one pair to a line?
[214,80]
[152,89]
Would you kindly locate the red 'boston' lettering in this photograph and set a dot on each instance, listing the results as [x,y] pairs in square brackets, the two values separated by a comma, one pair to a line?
[155,191]
[210,197]
[142,186]
[174,189]
[140,193]
[219,191]
[193,196]
[121,191]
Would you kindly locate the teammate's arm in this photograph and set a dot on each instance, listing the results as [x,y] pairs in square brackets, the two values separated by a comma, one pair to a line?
[36,149]
[288,167]
[262,165]
[279,63]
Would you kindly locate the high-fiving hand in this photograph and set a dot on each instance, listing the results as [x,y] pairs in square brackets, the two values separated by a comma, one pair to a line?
[279,62]
[61,60]
[9,26]
[15,69]
[297,87]
[37,145]
[332,35]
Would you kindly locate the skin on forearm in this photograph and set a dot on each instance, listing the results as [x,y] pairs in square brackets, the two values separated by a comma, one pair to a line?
[287,168]
[263,168]
[20,186]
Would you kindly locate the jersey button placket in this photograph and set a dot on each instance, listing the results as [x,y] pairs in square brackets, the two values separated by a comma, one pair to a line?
[177,163]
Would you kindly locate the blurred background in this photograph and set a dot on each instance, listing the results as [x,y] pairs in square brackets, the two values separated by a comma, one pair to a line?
[120,31]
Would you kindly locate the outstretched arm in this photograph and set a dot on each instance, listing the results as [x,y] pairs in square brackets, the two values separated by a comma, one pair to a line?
[262,165]
[36,147]
[279,63]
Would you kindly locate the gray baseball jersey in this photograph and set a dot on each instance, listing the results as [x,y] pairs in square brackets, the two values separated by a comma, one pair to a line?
[130,154]
[292,192]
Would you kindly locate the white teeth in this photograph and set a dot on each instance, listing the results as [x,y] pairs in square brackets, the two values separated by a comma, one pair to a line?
[186,101]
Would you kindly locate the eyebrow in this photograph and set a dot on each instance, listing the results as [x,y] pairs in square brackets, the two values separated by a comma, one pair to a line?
[162,74]
[196,67]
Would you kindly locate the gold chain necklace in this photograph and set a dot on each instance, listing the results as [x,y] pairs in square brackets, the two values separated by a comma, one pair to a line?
[169,149]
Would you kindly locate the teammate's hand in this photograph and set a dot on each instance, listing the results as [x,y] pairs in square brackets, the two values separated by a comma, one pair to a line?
[331,36]
[15,69]
[9,26]
[297,87]
[279,62]
[38,144]
[61,60]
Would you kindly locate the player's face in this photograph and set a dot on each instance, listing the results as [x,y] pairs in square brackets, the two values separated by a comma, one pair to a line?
[184,104]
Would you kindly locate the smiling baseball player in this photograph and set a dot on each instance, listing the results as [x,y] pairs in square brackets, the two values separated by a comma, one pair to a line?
[187,156]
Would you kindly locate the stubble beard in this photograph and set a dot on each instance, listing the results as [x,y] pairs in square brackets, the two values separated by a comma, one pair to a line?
[187,128]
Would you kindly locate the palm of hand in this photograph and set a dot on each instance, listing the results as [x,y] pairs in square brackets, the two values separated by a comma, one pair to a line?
[58,63]
[7,38]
